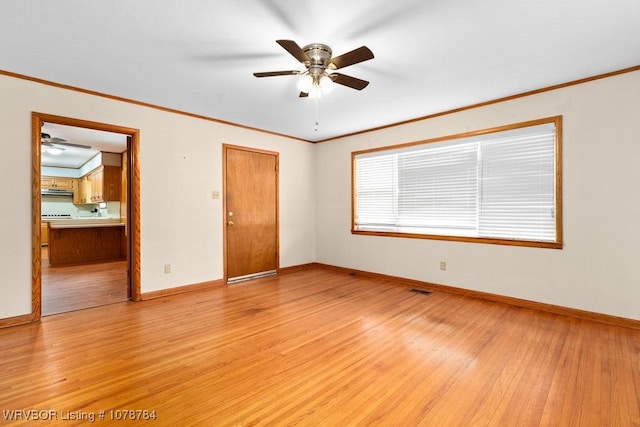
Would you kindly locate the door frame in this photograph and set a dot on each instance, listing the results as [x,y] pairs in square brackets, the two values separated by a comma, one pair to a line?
[133,202]
[226,147]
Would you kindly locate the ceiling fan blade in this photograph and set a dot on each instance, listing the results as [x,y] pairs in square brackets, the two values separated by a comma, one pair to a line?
[295,50]
[47,146]
[355,56]
[70,144]
[303,95]
[349,81]
[277,73]
[45,137]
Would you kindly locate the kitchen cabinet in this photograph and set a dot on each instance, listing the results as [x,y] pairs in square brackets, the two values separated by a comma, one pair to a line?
[44,233]
[100,185]
[96,178]
[77,243]
[83,195]
[105,184]
[57,183]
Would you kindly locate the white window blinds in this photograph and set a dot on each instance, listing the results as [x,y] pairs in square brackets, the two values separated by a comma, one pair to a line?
[495,185]
[437,188]
[518,185]
[378,191]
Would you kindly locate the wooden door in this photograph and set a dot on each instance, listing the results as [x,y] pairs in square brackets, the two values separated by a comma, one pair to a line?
[251,212]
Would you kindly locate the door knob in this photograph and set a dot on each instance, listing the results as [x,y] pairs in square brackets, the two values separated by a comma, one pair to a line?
[230,213]
[230,223]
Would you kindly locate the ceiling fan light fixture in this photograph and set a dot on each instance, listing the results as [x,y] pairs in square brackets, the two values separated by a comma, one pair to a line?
[326,84]
[317,58]
[305,83]
[316,86]
[55,151]
[315,92]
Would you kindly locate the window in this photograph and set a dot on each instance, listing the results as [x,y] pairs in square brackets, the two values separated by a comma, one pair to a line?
[494,186]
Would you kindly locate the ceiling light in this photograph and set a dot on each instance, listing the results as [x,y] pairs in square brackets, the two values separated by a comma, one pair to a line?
[310,85]
[305,83]
[55,151]
[326,84]
[316,86]
[316,91]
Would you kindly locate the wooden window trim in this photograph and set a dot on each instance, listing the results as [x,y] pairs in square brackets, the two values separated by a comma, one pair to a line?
[558,244]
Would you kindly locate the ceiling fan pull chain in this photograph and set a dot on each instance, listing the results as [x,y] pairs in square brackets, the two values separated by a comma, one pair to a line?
[317,122]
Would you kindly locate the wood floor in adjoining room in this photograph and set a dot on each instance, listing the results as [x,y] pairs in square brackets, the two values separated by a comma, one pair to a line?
[319,347]
[76,287]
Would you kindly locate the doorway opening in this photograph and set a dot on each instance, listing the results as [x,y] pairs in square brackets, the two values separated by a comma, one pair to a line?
[86,216]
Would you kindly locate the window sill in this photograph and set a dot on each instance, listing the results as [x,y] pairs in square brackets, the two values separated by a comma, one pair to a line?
[491,241]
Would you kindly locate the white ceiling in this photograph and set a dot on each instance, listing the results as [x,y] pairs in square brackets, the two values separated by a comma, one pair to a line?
[431,56]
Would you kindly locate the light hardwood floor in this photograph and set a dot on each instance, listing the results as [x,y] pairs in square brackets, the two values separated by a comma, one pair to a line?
[318,347]
[69,288]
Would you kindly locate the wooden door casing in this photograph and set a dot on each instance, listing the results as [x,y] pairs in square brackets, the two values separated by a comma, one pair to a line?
[251,211]
[133,215]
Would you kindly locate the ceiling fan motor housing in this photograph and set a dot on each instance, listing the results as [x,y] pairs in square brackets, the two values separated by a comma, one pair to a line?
[319,58]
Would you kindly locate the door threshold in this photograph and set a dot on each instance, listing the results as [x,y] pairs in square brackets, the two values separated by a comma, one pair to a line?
[232,280]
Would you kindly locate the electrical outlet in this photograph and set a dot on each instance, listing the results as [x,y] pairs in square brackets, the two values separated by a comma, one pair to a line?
[443,265]
[167,268]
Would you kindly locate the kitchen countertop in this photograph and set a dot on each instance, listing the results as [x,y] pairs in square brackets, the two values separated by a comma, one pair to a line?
[85,222]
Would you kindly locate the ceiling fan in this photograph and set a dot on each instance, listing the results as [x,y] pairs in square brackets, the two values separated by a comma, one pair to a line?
[316,57]
[53,144]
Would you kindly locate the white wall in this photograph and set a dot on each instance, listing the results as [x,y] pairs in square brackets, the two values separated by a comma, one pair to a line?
[598,269]
[181,164]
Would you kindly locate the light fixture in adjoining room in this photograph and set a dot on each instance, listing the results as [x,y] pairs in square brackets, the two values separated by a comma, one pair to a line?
[55,151]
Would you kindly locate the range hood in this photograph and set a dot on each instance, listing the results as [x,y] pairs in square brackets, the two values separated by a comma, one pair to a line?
[54,192]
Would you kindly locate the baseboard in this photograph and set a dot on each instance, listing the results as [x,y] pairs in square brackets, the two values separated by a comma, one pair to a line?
[297,268]
[518,302]
[182,289]
[17,320]
[217,283]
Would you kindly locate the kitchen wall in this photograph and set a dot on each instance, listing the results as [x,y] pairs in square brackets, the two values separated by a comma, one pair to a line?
[56,205]
[181,164]
[597,268]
